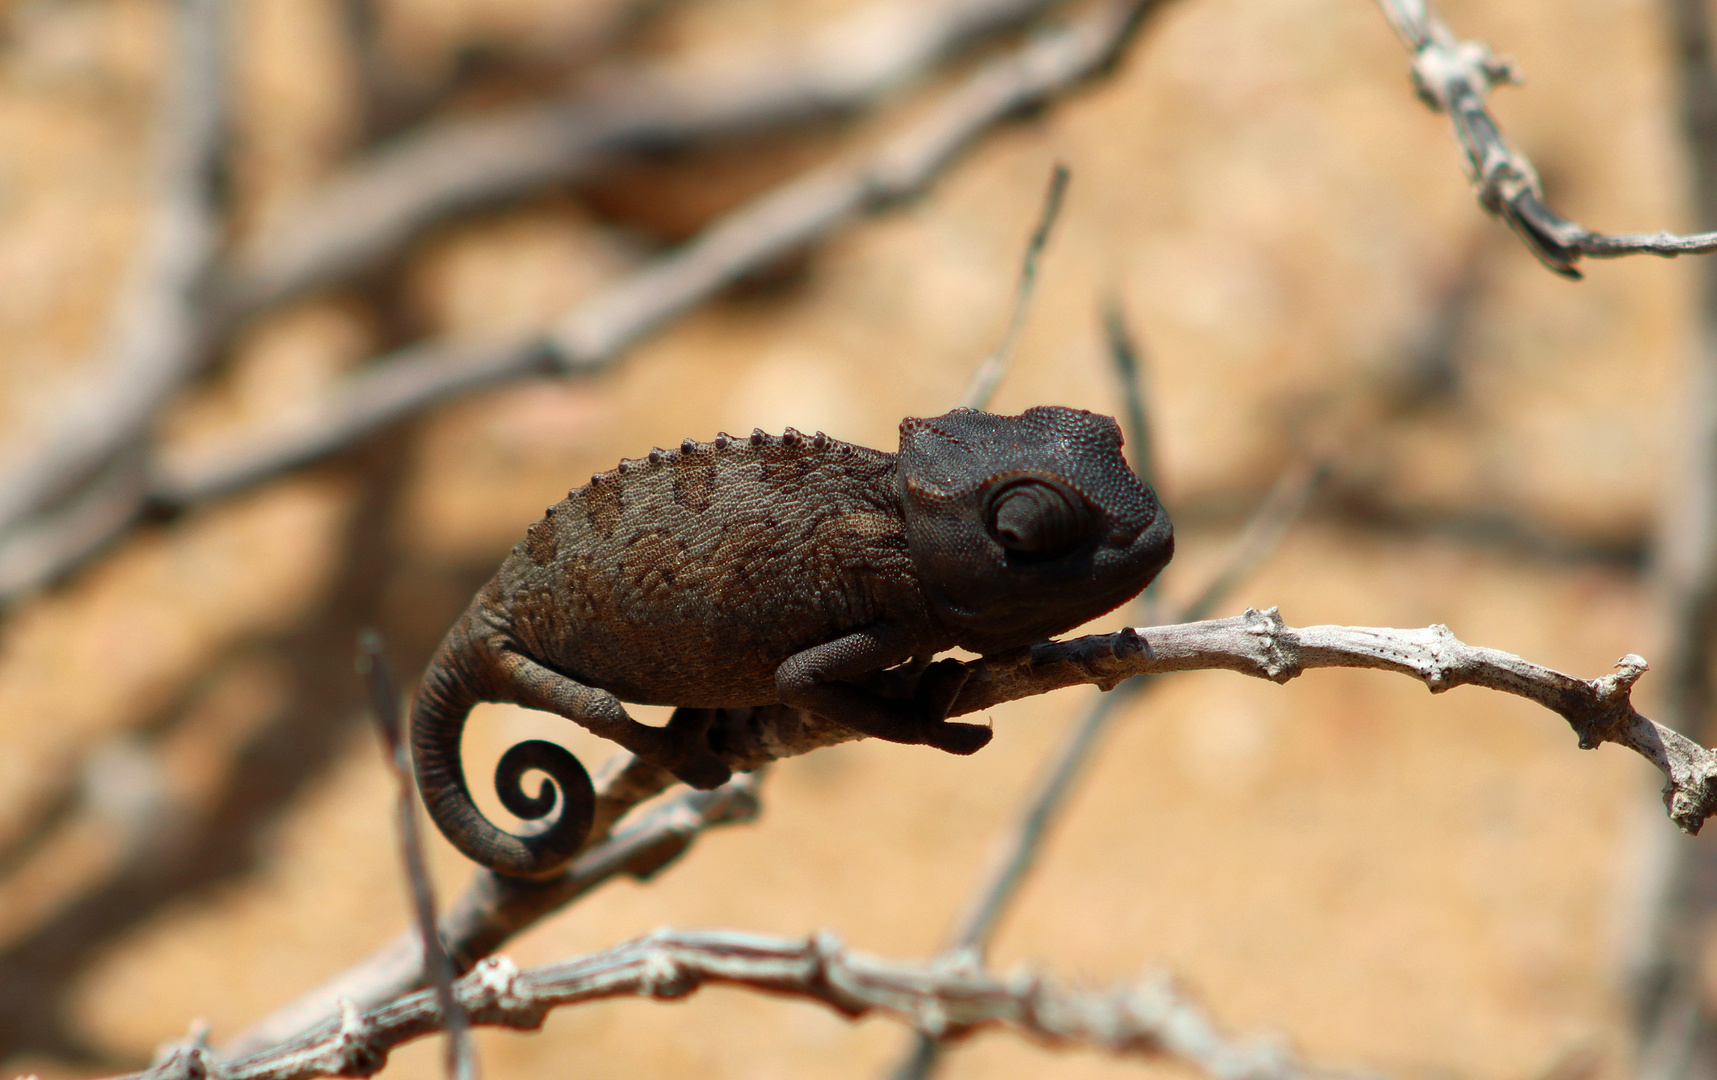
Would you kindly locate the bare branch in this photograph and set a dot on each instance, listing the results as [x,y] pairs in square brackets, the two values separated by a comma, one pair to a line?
[154,343]
[1149,1018]
[369,212]
[1259,644]
[1453,77]
[780,222]
[461,1060]
[494,908]
[989,374]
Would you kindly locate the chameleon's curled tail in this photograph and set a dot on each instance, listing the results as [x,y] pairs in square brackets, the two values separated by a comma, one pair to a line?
[437,724]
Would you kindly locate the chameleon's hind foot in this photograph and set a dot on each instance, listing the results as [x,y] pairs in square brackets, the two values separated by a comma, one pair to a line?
[692,760]
[938,686]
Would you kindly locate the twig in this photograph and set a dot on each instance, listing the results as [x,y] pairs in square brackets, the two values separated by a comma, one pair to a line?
[1676,1026]
[154,345]
[495,908]
[368,213]
[1148,1018]
[1128,359]
[1019,848]
[597,331]
[782,221]
[989,374]
[461,1060]
[1453,77]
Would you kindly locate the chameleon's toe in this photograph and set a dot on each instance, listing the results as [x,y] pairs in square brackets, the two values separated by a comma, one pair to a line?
[939,685]
[959,738]
[702,770]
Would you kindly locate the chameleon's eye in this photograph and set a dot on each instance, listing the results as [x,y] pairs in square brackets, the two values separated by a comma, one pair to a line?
[1038,519]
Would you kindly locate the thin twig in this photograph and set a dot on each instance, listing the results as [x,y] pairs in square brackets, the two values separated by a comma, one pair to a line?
[994,368]
[1149,1018]
[461,1059]
[154,344]
[1128,360]
[1454,77]
[372,209]
[1676,1026]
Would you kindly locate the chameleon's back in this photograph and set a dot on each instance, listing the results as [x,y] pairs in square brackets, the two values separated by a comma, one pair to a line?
[687,577]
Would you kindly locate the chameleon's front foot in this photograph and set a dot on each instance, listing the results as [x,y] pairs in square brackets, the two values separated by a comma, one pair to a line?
[937,689]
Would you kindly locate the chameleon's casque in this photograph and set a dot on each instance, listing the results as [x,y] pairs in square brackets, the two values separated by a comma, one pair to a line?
[763,570]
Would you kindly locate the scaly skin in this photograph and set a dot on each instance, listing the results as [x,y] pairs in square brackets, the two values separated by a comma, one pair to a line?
[769,570]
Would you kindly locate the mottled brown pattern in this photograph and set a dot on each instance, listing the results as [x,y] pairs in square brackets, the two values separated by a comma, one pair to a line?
[779,569]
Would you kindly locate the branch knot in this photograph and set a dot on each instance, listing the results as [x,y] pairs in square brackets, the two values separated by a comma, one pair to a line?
[1278,650]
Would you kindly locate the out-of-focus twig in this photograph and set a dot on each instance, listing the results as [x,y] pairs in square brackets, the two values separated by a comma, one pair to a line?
[594,333]
[778,223]
[383,692]
[155,341]
[994,367]
[1676,1026]
[1150,1017]
[371,210]
[1453,77]
[1019,848]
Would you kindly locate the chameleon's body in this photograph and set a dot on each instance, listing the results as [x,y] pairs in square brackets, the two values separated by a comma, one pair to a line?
[758,570]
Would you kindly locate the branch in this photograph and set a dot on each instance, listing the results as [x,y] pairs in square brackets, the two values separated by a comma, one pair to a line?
[494,908]
[1149,1018]
[1453,77]
[596,332]
[776,224]
[368,213]
[1259,644]
[154,344]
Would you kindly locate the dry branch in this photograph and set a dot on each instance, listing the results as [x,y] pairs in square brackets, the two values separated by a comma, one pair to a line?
[1256,643]
[368,213]
[1454,77]
[755,235]
[154,342]
[594,333]
[495,908]
[1148,1018]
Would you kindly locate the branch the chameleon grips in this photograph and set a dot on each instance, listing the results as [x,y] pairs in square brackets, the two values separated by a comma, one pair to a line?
[1148,1017]
[1454,77]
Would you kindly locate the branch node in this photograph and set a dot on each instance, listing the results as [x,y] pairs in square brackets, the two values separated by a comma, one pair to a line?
[664,977]
[492,988]
[1612,693]
[1278,651]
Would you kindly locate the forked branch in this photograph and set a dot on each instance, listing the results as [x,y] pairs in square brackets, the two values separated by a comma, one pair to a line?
[1148,1018]
[1453,77]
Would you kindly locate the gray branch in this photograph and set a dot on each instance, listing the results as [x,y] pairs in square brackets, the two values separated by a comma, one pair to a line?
[154,342]
[1149,1018]
[1454,77]
[1259,644]
[365,215]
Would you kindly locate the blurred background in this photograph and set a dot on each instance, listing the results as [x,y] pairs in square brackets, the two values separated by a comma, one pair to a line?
[195,820]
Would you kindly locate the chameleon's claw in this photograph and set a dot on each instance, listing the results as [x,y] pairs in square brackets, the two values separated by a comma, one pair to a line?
[958,738]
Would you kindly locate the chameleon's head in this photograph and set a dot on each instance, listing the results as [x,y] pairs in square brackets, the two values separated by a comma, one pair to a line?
[1023,527]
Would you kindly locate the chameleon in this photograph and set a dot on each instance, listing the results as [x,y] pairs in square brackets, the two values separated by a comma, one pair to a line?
[778,570]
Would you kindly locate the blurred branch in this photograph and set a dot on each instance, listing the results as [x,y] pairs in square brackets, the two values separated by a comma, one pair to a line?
[1149,1018]
[383,690]
[370,211]
[994,367]
[1454,77]
[1674,1020]
[494,908]
[155,340]
[594,333]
